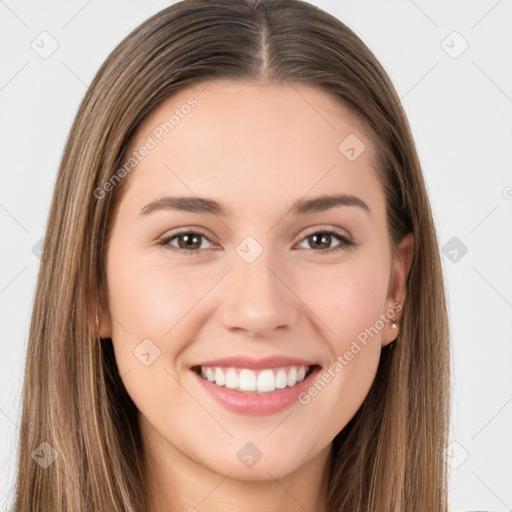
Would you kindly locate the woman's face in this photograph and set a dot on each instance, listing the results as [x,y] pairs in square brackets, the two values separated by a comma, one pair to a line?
[256,291]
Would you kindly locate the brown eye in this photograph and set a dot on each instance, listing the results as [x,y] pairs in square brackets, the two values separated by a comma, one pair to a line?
[320,241]
[188,242]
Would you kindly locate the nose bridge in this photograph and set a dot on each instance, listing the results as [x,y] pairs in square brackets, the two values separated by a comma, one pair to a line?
[257,300]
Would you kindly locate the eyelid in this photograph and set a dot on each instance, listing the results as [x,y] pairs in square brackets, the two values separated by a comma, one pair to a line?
[182,231]
[198,230]
[334,229]
[187,229]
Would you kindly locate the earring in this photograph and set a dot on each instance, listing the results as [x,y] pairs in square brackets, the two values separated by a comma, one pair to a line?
[393,323]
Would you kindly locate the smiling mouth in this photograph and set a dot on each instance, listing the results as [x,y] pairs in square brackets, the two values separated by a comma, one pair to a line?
[266,380]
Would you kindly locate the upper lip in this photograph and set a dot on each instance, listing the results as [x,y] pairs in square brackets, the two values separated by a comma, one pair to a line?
[256,364]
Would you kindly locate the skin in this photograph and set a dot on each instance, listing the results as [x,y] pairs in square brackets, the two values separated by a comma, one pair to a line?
[256,149]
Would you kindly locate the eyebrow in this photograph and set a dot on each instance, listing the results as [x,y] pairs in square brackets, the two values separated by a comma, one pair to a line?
[212,207]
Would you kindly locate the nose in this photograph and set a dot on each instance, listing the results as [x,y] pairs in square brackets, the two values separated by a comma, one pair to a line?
[257,300]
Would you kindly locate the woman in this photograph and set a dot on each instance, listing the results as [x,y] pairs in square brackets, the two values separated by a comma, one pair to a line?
[240,302]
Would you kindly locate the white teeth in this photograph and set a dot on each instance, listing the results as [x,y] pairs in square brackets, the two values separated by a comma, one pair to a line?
[246,380]
[266,381]
[280,379]
[231,379]
[220,378]
[292,377]
[261,381]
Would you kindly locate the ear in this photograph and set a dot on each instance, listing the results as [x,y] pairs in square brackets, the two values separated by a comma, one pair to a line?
[398,286]
[100,314]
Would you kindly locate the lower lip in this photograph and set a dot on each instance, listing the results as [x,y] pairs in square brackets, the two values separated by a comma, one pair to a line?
[257,404]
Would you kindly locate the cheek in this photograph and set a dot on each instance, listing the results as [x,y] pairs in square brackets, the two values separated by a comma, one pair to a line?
[150,298]
[347,306]
[346,299]
[148,301]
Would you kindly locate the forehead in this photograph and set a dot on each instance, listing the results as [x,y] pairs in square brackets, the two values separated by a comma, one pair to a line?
[239,141]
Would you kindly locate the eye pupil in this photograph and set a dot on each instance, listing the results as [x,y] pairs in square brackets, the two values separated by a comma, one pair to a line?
[189,241]
[322,237]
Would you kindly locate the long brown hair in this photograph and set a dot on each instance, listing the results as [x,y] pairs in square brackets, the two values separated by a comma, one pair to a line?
[390,455]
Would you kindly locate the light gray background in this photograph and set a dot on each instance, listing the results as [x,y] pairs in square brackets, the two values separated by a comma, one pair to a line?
[460,110]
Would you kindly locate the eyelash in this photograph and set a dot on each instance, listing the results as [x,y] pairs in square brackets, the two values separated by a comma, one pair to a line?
[346,242]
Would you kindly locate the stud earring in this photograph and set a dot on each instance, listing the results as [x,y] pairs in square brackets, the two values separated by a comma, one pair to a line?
[393,323]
